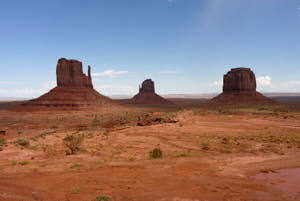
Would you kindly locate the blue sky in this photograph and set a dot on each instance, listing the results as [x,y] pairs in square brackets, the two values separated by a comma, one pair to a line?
[185,46]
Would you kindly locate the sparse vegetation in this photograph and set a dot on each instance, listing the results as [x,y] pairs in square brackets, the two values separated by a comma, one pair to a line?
[23,162]
[23,142]
[104,198]
[205,146]
[156,153]
[73,143]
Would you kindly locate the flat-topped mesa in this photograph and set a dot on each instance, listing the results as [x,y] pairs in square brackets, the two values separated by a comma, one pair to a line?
[239,80]
[69,73]
[147,86]
[239,87]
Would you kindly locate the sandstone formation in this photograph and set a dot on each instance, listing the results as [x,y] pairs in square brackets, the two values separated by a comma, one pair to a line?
[147,95]
[69,73]
[74,89]
[239,87]
[238,80]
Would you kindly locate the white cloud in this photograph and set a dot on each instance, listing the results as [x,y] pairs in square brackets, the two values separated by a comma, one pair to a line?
[217,83]
[264,81]
[22,92]
[49,85]
[170,1]
[116,89]
[265,84]
[27,92]
[110,73]
[168,72]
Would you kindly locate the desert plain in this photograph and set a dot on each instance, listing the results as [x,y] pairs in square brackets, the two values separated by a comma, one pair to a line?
[232,153]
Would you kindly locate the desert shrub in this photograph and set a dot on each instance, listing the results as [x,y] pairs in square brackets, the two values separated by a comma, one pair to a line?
[23,162]
[73,143]
[1,149]
[205,146]
[156,153]
[23,142]
[2,142]
[104,198]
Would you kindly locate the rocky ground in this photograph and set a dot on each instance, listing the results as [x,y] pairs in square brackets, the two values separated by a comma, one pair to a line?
[210,154]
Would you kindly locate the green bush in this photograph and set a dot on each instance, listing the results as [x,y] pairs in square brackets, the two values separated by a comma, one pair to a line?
[104,198]
[205,146]
[73,143]
[23,142]
[23,162]
[156,153]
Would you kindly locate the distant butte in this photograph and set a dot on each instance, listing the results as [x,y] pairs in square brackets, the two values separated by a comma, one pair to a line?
[239,87]
[74,89]
[147,95]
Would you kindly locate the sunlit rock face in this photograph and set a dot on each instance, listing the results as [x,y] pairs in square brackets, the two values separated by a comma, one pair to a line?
[74,89]
[69,73]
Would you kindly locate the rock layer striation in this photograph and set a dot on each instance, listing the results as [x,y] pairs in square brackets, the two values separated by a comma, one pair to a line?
[238,80]
[69,73]
[74,89]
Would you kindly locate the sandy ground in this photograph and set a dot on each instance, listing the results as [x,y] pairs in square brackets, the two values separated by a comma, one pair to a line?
[207,155]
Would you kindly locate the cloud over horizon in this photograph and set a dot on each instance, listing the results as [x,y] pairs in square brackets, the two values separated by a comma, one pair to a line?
[110,73]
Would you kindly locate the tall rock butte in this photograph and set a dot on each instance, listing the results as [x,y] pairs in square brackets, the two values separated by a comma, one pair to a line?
[69,73]
[147,95]
[74,89]
[239,87]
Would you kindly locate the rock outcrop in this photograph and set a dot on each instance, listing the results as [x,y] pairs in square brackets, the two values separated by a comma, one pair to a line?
[147,95]
[147,86]
[69,73]
[239,87]
[74,89]
[238,80]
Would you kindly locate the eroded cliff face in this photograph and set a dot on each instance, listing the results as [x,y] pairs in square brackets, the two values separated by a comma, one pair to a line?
[239,80]
[69,73]
[74,90]
[239,87]
[147,86]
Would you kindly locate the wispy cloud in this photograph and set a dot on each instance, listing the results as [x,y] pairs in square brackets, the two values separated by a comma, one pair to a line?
[27,92]
[116,89]
[299,9]
[6,83]
[170,1]
[49,85]
[169,72]
[110,73]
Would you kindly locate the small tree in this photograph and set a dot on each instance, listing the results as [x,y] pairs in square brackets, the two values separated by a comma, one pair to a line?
[73,143]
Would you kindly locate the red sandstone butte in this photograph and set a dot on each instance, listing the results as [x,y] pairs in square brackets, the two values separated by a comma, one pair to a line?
[74,89]
[147,95]
[239,87]
[69,73]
